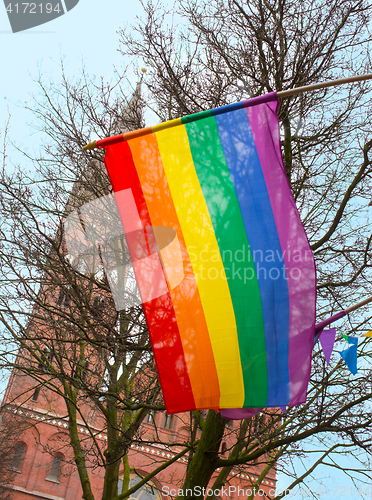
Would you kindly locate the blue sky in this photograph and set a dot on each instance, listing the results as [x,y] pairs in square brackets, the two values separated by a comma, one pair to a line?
[85,35]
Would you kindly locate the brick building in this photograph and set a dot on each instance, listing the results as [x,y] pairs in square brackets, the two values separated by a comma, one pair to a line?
[42,458]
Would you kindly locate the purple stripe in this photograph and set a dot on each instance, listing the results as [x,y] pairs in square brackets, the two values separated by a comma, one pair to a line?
[298,257]
[239,413]
[261,99]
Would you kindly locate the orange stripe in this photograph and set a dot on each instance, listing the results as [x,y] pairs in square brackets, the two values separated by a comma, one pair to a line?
[136,133]
[185,296]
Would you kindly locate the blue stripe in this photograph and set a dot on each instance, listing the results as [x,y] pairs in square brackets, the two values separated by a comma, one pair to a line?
[227,108]
[245,170]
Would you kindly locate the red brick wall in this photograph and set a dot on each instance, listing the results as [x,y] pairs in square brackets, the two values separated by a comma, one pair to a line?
[48,435]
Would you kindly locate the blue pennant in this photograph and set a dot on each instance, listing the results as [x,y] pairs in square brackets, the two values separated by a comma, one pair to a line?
[350,355]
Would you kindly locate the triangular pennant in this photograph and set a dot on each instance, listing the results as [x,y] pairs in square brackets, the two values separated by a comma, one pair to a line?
[327,340]
[368,334]
[345,337]
[284,409]
[350,355]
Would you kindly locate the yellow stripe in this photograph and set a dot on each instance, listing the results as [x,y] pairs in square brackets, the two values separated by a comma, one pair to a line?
[165,125]
[206,261]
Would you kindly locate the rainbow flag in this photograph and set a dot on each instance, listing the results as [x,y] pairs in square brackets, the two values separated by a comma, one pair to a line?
[237,329]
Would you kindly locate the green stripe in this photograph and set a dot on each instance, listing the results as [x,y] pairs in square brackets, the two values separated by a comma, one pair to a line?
[224,209]
[196,116]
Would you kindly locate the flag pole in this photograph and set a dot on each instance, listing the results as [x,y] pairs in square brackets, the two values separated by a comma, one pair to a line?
[359,304]
[280,94]
[320,326]
[323,85]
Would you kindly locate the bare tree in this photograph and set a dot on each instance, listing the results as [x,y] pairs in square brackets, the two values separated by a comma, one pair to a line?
[214,53]
[208,54]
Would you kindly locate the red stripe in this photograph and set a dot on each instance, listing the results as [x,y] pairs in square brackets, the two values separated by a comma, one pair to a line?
[159,312]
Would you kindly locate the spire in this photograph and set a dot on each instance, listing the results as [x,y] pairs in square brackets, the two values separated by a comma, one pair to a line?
[131,116]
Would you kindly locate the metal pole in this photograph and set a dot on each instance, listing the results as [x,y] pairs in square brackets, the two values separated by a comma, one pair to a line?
[359,304]
[320,326]
[323,85]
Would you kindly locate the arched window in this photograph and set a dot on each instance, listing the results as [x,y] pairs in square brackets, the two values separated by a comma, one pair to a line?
[259,423]
[150,417]
[83,371]
[46,359]
[98,303]
[35,394]
[55,468]
[147,492]
[18,456]
[167,424]
[63,299]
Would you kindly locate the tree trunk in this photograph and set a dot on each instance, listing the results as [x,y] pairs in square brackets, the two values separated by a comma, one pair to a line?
[203,463]
[79,455]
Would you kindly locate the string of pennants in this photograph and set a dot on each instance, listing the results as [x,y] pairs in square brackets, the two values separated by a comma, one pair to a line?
[349,355]
[327,337]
